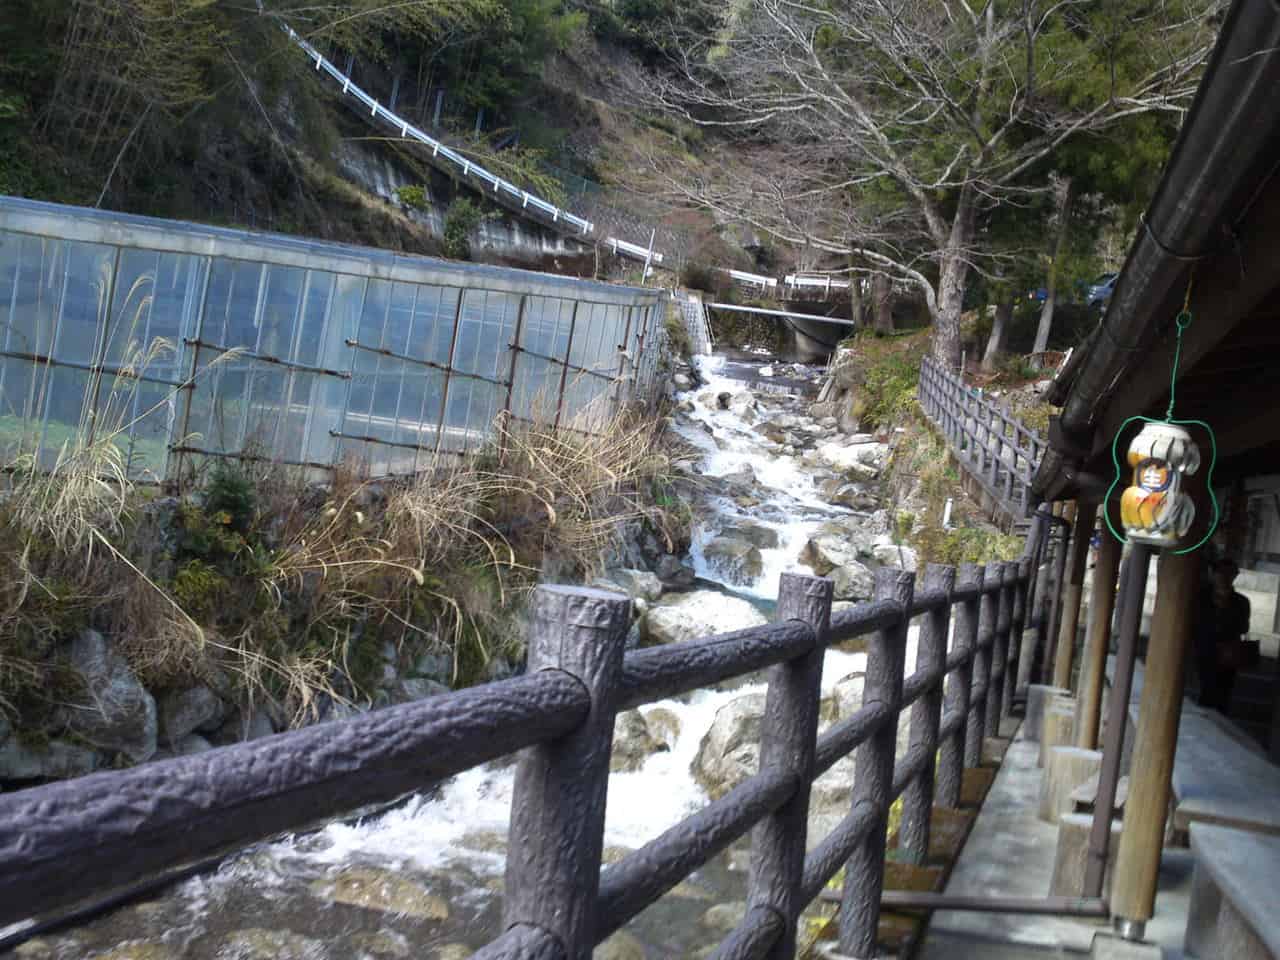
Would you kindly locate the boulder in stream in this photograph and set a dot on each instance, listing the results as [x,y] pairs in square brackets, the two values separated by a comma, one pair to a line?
[897,556]
[633,742]
[730,750]
[699,613]
[738,561]
[853,581]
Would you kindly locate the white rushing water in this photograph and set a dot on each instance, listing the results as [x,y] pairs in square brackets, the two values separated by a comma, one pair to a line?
[791,504]
[432,832]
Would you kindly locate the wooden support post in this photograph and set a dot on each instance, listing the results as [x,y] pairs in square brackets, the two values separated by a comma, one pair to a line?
[1096,643]
[873,773]
[988,616]
[790,730]
[558,799]
[1134,579]
[1072,591]
[1133,892]
[1022,570]
[1000,649]
[1055,597]
[1041,608]
[926,715]
[951,758]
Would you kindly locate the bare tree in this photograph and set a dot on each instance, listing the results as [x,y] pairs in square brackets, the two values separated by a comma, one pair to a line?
[882,129]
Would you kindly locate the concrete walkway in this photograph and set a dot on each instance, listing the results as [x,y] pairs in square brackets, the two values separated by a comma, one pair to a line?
[1010,852]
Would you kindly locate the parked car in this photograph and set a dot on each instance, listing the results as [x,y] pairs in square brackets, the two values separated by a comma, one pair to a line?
[1099,292]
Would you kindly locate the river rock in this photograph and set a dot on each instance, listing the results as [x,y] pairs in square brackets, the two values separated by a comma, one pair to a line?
[738,561]
[186,711]
[633,743]
[743,406]
[386,943]
[416,688]
[896,556]
[699,613]
[116,713]
[730,749]
[257,943]
[673,574]
[433,666]
[640,584]
[772,432]
[757,534]
[682,382]
[384,890]
[853,581]
[139,950]
[824,551]
[621,946]
[724,917]
[453,951]
[54,760]
[861,461]
[664,726]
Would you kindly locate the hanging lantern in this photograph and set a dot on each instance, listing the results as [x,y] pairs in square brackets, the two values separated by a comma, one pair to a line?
[1154,509]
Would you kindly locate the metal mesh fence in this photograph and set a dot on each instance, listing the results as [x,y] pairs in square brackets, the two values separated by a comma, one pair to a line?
[179,341]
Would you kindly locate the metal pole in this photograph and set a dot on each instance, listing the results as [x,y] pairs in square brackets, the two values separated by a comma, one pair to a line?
[1135,589]
[1046,906]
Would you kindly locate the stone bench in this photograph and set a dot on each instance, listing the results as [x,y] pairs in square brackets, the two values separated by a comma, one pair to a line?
[1218,775]
[1233,913]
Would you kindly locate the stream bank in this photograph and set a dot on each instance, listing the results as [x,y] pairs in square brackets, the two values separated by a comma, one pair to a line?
[776,490]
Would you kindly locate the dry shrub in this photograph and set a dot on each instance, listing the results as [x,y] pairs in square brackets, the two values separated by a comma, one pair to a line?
[294,606]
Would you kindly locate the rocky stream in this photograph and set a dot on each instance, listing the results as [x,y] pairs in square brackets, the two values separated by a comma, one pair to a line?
[778,490]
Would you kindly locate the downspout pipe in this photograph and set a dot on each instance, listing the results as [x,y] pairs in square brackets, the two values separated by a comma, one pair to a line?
[1226,148]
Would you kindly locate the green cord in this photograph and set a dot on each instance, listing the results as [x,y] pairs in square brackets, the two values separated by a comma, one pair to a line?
[1183,320]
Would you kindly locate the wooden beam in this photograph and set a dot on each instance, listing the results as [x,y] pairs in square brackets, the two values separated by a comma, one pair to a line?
[1228,288]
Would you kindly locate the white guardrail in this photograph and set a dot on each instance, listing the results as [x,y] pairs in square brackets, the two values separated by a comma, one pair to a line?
[469,168]
[800,281]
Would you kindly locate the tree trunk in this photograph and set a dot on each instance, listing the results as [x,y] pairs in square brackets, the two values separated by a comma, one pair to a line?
[995,343]
[952,274]
[1046,312]
[882,303]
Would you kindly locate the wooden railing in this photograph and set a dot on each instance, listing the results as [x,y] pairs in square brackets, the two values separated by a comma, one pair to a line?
[993,447]
[66,842]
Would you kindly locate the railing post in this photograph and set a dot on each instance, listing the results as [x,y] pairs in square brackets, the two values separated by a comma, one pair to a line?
[988,616]
[558,800]
[952,754]
[789,732]
[1000,649]
[926,715]
[873,773]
